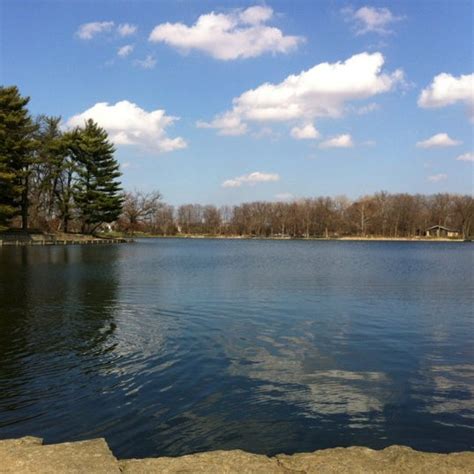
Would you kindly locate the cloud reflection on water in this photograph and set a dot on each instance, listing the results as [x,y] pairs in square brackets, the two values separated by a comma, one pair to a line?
[451,391]
[295,373]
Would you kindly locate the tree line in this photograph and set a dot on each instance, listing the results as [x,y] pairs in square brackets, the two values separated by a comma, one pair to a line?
[52,179]
[56,180]
[378,215]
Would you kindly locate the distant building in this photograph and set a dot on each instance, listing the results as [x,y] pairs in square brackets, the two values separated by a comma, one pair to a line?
[442,231]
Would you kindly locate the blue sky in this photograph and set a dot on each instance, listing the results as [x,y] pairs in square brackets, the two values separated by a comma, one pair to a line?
[230,101]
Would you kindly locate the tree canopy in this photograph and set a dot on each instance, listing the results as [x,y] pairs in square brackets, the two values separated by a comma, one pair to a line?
[97,191]
[53,176]
[16,151]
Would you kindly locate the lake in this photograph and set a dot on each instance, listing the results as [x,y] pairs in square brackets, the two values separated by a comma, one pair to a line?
[173,346]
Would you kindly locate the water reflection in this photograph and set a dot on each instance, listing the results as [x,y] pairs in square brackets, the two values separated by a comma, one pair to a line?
[57,320]
[169,347]
[452,391]
[289,373]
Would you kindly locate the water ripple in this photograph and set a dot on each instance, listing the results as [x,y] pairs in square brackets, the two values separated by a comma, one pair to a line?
[169,347]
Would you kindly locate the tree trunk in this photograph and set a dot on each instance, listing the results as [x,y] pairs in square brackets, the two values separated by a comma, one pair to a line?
[24,205]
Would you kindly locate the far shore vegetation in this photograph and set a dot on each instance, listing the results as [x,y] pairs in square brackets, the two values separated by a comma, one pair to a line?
[57,181]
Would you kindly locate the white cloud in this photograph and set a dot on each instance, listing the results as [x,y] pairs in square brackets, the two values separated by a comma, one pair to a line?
[256,15]
[437,141]
[126,29]
[318,92]
[125,165]
[124,51]
[436,178]
[322,91]
[370,19]
[306,132]
[469,156]
[128,124]
[148,63]
[227,124]
[446,89]
[340,141]
[239,34]
[87,31]
[250,179]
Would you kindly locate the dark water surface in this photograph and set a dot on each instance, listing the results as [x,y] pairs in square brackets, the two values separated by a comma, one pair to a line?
[167,347]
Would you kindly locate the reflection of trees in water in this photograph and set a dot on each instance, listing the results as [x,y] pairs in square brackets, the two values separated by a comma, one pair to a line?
[93,290]
[56,320]
[13,327]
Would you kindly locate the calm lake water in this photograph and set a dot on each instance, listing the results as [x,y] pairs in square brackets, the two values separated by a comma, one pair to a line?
[167,347]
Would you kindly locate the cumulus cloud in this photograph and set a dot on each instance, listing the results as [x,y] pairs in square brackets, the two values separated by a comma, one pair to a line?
[469,156]
[126,29]
[370,19]
[148,63]
[128,124]
[437,141]
[250,179]
[256,15]
[306,132]
[436,178]
[124,51]
[446,89]
[322,91]
[87,31]
[239,34]
[339,141]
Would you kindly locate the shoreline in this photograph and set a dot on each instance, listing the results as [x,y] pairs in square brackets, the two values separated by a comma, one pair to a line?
[30,455]
[32,238]
[37,243]
[317,239]
[36,238]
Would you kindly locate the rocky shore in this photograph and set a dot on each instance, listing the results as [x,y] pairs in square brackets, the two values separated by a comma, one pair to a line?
[29,456]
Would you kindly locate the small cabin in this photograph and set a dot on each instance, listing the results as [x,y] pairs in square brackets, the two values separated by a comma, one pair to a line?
[442,231]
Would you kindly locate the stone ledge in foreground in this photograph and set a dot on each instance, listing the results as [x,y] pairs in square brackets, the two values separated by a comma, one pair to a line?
[29,456]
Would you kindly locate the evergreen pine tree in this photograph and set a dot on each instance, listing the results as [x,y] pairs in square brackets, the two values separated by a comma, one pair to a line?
[97,194]
[16,147]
